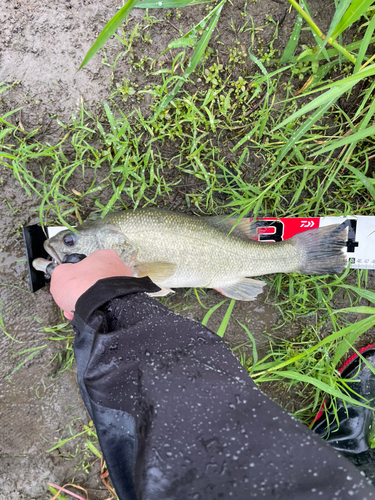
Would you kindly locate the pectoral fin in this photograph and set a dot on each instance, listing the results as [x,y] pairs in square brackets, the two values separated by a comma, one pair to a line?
[161,293]
[244,289]
[157,271]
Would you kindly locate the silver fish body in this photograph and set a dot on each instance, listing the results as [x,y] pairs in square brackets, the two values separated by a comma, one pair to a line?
[177,250]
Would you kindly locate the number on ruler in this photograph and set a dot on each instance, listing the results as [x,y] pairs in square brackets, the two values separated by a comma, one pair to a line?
[351,244]
[278,227]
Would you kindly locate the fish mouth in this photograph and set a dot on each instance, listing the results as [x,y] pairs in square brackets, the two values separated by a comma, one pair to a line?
[52,252]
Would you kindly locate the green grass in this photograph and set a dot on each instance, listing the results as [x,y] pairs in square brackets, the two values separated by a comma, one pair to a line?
[255,132]
[308,367]
[347,12]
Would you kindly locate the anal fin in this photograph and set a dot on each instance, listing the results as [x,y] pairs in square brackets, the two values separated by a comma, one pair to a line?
[156,271]
[243,289]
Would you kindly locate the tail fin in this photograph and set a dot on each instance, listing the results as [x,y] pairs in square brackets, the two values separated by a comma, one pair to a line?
[322,249]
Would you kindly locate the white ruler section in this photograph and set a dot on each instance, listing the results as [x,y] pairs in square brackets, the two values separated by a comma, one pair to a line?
[52,231]
[360,248]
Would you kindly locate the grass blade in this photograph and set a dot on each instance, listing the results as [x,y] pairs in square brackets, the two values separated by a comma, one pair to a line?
[196,57]
[252,340]
[6,155]
[358,310]
[190,38]
[348,140]
[293,41]
[109,29]
[332,52]
[247,136]
[354,12]
[169,4]
[9,113]
[367,96]
[211,311]
[226,318]
[268,76]
[3,87]
[323,387]
[331,96]
[360,327]
[301,131]
[6,333]
[258,63]
[93,449]
[34,353]
[318,38]
[62,442]
[340,11]
[365,180]
[364,73]
[364,45]
[54,492]
[366,294]
[368,116]
[111,118]
[351,334]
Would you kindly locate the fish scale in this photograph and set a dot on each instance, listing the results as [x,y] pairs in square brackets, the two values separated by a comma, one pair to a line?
[198,244]
[177,250]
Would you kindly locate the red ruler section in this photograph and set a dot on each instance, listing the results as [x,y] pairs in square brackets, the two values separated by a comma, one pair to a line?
[273,229]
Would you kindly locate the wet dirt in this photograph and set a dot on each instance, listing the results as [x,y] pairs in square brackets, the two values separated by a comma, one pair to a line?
[42,46]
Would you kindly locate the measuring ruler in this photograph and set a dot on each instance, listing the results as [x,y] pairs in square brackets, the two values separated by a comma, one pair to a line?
[359,249]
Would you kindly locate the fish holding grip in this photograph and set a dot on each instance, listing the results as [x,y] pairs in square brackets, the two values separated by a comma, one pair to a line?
[47,266]
[39,263]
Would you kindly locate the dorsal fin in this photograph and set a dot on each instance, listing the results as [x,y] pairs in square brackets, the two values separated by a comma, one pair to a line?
[241,228]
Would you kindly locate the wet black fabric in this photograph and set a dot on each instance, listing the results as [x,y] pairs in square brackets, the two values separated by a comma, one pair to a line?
[178,418]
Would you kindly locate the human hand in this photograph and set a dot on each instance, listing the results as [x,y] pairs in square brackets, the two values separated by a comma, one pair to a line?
[70,281]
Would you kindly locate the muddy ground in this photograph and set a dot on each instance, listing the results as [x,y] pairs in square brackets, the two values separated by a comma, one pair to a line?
[42,46]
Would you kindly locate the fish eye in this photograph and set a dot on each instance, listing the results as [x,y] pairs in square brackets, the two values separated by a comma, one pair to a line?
[69,240]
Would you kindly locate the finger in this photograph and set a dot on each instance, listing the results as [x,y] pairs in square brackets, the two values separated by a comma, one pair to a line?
[68,315]
[104,264]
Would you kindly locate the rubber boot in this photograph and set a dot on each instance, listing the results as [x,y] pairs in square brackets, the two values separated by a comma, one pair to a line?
[352,431]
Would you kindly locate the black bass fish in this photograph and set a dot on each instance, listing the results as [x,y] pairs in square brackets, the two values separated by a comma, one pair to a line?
[177,250]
